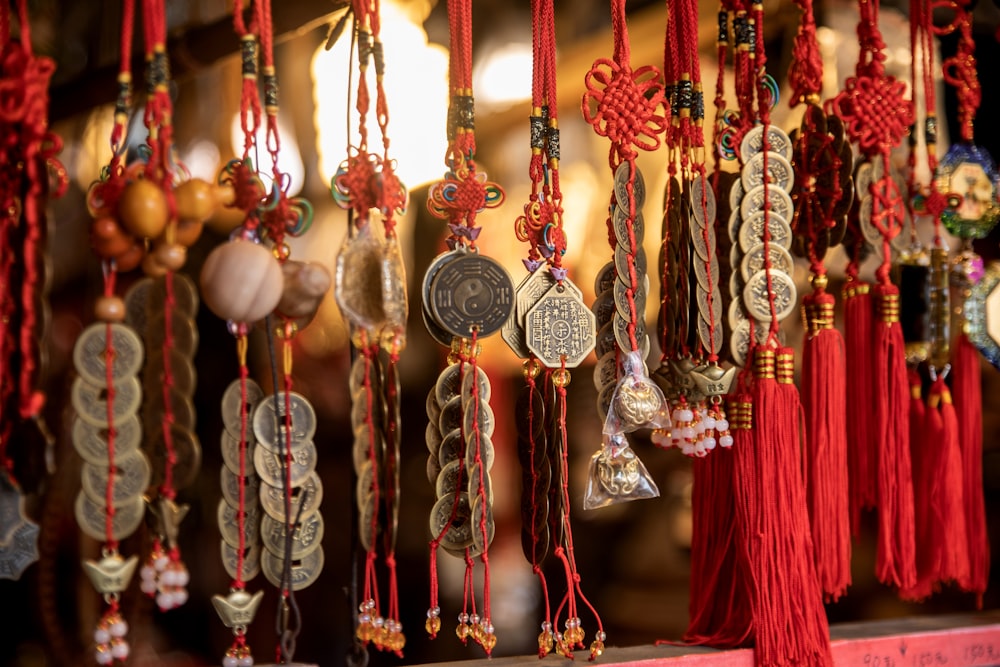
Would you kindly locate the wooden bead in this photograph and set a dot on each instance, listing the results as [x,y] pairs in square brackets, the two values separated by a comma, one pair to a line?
[305,285]
[152,267]
[170,255]
[188,232]
[108,238]
[226,220]
[225,194]
[195,199]
[109,309]
[241,281]
[142,209]
[131,258]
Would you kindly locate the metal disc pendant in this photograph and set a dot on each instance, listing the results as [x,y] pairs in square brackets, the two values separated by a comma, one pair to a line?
[91,404]
[621,186]
[472,292]
[90,354]
[757,301]
[303,573]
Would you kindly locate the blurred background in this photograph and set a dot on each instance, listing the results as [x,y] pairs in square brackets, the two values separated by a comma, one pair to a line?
[633,558]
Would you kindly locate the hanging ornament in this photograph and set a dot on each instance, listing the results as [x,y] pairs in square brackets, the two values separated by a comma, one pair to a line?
[29,161]
[371,292]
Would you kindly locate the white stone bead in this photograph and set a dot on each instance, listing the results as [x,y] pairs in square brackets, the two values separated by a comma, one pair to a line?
[722,425]
[230,661]
[161,563]
[120,650]
[726,441]
[119,628]
[246,661]
[710,443]
[182,577]
[686,415]
[147,573]
[709,422]
[164,601]
[148,586]
[180,597]
[687,432]
[101,636]
[104,657]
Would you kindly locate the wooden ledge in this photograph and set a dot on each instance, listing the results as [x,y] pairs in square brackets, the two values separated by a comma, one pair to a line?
[966,640]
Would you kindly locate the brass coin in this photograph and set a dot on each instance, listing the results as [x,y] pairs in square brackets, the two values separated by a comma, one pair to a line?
[456,534]
[230,448]
[479,485]
[308,496]
[181,407]
[365,485]
[604,397]
[486,452]
[182,374]
[185,294]
[620,292]
[270,466]
[606,341]
[736,193]
[452,448]
[530,412]
[433,468]
[710,339]
[364,366]
[739,341]
[863,179]
[232,410]
[777,142]
[479,418]
[450,479]
[251,560]
[432,270]
[709,305]
[472,292]
[137,305]
[736,314]
[441,336]
[230,485]
[620,326]
[560,329]
[534,497]
[91,401]
[91,442]
[757,302]
[535,544]
[703,215]
[753,202]
[625,262]
[605,278]
[451,415]
[622,174]
[368,527]
[367,408]
[529,290]
[130,479]
[735,223]
[753,261]
[706,276]
[752,231]
[307,536]
[703,242]
[187,457]
[303,573]
[603,307]
[779,172]
[185,334]
[484,390]
[622,225]
[270,416]
[432,436]
[606,369]
[449,382]
[227,517]
[431,405]
[92,517]
[90,354]
[483,525]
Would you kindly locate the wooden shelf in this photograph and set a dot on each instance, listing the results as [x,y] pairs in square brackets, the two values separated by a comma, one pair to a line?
[967,640]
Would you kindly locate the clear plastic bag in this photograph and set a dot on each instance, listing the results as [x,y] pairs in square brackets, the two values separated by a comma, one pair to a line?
[637,401]
[617,475]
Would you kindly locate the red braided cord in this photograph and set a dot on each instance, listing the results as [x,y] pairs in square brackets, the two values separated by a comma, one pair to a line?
[109,351]
[250,111]
[368,351]
[960,69]
[806,71]
[241,511]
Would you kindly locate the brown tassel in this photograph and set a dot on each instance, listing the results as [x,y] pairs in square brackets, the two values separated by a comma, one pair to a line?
[861,444]
[965,381]
[789,621]
[823,402]
[719,605]
[896,553]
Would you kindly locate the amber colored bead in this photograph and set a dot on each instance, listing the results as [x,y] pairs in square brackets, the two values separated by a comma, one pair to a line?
[152,267]
[195,199]
[188,232]
[432,625]
[225,194]
[170,255]
[131,258]
[109,309]
[142,209]
[108,238]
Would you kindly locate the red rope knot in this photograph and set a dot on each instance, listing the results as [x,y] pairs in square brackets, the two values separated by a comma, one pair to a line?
[392,195]
[806,71]
[354,183]
[621,104]
[24,88]
[876,112]
[460,195]
[247,186]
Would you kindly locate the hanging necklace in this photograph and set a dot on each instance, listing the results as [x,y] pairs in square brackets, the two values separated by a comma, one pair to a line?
[466,296]
[371,291]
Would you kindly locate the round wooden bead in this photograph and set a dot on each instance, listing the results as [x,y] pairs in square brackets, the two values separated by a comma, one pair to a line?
[131,258]
[225,194]
[142,209]
[152,267]
[305,285]
[241,281]
[188,232]
[110,309]
[108,238]
[170,255]
[195,199]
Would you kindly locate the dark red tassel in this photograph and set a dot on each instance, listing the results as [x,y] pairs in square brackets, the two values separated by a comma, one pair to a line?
[860,432]
[790,625]
[719,604]
[896,553]
[823,402]
[965,382]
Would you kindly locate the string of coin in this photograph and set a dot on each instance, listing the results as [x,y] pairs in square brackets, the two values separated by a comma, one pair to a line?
[462,518]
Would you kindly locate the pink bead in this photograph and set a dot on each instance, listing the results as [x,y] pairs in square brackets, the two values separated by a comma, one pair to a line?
[119,628]
[120,650]
[104,657]
[101,636]
[726,441]
[722,425]
[241,281]
[230,661]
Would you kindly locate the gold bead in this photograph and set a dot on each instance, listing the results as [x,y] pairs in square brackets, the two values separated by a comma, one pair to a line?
[560,377]
[109,309]
[820,281]
[432,625]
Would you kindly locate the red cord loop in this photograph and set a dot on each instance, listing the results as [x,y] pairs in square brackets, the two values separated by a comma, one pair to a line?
[622,104]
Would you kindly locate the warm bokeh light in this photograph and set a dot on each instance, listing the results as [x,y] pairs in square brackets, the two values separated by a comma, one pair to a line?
[503,77]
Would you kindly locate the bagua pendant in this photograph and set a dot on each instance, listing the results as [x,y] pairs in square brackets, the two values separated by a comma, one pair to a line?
[968,178]
[18,534]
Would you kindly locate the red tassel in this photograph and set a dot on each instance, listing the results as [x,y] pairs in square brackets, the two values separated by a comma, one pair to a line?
[860,432]
[917,416]
[719,604]
[896,553]
[922,432]
[823,401]
[965,381]
[789,621]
